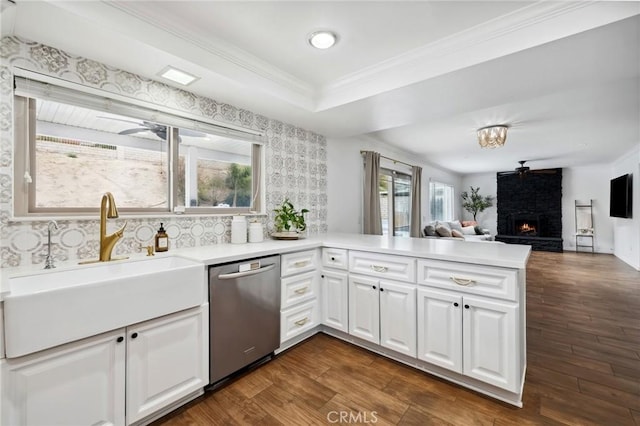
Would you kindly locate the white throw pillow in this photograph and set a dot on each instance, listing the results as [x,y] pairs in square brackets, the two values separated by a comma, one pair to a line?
[468,230]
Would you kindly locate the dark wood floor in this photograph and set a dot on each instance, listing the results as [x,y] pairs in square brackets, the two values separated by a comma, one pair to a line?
[583,325]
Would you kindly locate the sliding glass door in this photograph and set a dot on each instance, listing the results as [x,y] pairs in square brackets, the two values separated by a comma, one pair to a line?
[395,202]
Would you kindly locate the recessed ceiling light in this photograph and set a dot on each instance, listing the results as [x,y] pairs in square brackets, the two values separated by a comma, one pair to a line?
[323,39]
[179,76]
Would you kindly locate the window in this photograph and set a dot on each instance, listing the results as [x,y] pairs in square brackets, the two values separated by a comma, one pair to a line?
[441,201]
[395,202]
[68,154]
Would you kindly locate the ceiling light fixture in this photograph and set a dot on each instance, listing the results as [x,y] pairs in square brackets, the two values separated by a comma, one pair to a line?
[178,76]
[492,136]
[323,39]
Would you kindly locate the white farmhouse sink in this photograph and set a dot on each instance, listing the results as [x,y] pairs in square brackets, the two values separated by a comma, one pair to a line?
[47,309]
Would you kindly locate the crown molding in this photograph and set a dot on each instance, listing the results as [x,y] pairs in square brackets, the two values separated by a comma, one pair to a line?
[524,28]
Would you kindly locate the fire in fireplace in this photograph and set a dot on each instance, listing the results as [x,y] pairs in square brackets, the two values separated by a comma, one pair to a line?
[526,229]
[526,225]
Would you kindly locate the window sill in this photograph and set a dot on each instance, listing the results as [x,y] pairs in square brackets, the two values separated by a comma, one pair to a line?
[133,216]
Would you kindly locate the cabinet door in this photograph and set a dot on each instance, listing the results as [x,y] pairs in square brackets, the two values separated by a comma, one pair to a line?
[364,308]
[335,296]
[440,328]
[80,383]
[398,317]
[167,359]
[491,350]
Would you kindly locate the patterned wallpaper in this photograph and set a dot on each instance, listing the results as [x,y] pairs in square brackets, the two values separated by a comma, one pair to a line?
[295,164]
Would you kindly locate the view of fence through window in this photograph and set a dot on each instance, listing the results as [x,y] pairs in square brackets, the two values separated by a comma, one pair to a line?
[81,153]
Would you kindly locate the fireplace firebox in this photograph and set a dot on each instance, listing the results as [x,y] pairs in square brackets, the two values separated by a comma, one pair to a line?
[528,225]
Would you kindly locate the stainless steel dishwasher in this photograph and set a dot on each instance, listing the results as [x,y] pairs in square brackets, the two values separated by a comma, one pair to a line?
[244,321]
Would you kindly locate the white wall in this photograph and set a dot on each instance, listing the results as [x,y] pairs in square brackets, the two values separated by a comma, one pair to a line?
[488,185]
[626,232]
[584,184]
[345,175]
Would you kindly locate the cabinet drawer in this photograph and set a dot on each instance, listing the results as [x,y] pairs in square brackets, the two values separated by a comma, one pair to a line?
[302,261]
[335,258]
[382,265]
[298,288]
[298,319]
[475,279]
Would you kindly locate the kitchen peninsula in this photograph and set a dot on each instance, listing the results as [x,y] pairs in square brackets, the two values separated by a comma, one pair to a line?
[450,308]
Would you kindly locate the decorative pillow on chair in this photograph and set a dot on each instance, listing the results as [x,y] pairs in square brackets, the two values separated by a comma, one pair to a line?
[442,229]
[456,234]
[455,225]
[469,223]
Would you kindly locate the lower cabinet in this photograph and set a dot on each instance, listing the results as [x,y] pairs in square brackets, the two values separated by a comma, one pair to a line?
[470,335]
[80,383]
[144,367]
[383,312]
[167,359]
[334,290]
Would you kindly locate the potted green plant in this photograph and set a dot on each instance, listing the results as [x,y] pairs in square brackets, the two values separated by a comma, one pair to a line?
[288,221]
[475,203]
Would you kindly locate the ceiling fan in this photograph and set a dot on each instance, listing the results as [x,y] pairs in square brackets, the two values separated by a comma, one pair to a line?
[523,170]
[157,129]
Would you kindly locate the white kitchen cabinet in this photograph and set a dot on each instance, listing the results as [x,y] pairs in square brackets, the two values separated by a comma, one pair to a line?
[490,342]
[398,317]
[299,288]
[80,383]
[298,319]
[383,312]
[385,266]
[167,359]
[335,258]
[155,364]
[299,291]
[469,335]
[334,300]
[440,328]
[297,262]
[364,308]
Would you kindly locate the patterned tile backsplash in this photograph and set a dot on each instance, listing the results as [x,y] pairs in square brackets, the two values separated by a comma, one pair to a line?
[295,164]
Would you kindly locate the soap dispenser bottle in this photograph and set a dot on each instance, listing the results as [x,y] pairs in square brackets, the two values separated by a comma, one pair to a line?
[162,239]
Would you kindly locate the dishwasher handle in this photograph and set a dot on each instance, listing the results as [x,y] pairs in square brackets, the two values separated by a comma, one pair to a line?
[246,273]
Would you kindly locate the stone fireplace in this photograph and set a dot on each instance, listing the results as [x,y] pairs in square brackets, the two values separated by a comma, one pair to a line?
[530,210]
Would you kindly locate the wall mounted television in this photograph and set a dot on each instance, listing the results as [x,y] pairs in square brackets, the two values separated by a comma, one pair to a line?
[620,200]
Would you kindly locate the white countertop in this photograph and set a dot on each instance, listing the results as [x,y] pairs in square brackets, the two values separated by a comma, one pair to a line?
[482,253]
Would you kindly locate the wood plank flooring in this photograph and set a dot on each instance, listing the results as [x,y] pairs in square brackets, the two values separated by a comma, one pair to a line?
[583,333]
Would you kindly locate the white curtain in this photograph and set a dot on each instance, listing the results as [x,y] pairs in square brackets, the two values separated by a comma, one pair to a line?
[415,230]
[371,206]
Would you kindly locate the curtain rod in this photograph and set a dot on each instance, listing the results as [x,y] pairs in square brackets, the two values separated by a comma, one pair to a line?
[391,159]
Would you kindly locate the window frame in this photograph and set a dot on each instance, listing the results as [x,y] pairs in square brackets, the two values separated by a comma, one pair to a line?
[25,157]
[451,203]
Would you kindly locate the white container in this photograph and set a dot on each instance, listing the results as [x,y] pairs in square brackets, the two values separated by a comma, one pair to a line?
[239,230]
[256,232]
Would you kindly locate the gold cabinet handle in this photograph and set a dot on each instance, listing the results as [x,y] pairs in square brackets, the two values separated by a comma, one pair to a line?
[462,281]
[301,263]
[302,290]
[302,322]
[379,268]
